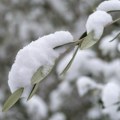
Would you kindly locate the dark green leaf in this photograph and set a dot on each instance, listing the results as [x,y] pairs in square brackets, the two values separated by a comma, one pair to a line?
[12,99]
[33,91]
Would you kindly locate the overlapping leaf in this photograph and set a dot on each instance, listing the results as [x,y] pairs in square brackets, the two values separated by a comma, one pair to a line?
[33,91]
[41,73]
[88,41]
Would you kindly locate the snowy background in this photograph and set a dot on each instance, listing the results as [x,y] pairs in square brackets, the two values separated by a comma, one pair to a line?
[93,77]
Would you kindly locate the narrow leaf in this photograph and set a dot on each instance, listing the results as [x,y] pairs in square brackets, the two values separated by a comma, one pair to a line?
[41,73]
[115,37]
[33,91]
[88,41]
[70,62]
[12,99]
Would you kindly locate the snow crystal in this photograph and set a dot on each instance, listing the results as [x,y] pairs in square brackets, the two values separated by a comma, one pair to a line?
[84,84]
[110,94]
[111,5]
[36,106]
[38,53]
[58,116]
[96,23]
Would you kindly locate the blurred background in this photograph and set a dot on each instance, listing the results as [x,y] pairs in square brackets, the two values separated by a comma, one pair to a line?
[77,95]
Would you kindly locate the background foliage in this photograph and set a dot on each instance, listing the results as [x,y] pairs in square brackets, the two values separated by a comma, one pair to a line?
[22,21]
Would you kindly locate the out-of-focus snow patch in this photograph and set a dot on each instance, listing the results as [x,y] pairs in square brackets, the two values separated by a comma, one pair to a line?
[110,5]
[85,84]
[113,112]
[36,107]
[112,70]
[65,87]
[110,94]
[58,116]
[78,64]
[58,95]
[62,9]
[2,114]
[94,113]
[93,67]
[107,47]
[55,100]
[37,1]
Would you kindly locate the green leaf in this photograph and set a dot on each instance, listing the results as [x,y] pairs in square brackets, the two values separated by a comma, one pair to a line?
[41,73]
[33,91]
[88,41]
[70,62]
[12,99]
[115,37]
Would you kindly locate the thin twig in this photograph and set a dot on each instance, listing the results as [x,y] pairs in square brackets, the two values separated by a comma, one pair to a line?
[113,11]
[114,21]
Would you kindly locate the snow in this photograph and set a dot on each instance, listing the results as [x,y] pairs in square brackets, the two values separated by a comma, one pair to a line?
[111,5]
[58,116]
[65,87]
[58,38]
[107,47]
[110,93]
[96,23]
[112,112]
[110,96]
[85,84]
[98,68]
[57,96]
[94,113]
[75,69]
[36,106]
[38,53]
[55,100]
[112,70]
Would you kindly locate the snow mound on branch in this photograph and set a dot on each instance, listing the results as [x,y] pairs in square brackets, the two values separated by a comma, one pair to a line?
[96,23]
[38,53]
[111,5]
